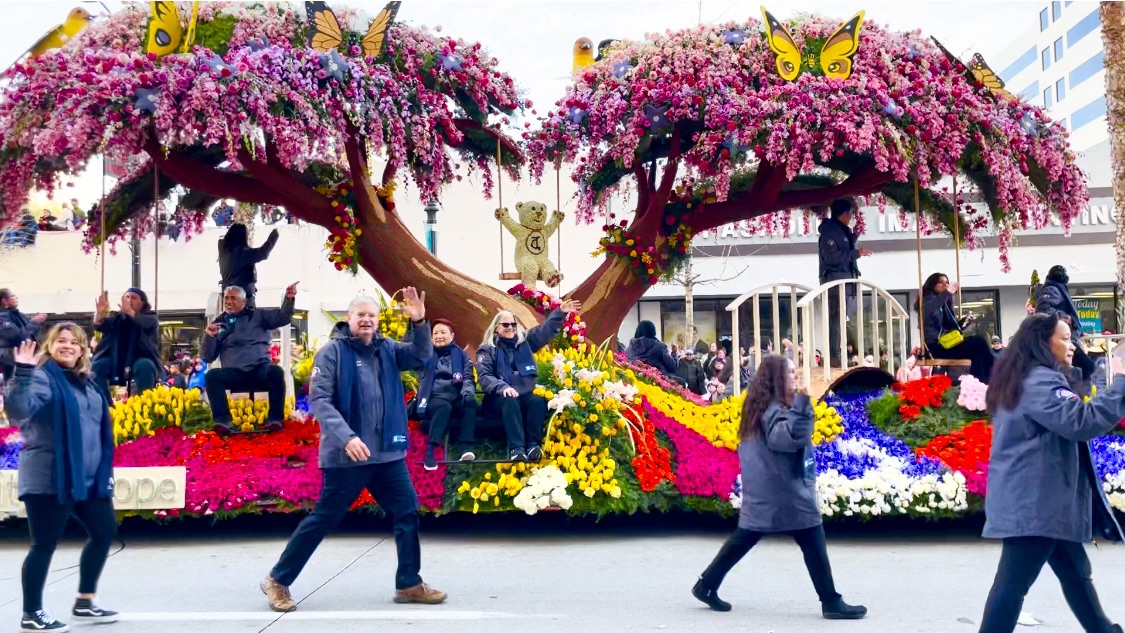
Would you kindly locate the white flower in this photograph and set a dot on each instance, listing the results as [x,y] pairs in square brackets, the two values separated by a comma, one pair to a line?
[562,400]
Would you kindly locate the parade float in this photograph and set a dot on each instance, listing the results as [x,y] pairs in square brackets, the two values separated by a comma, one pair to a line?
[712,125]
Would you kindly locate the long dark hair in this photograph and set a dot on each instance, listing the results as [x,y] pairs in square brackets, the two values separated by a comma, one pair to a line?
[235,237]
[928,288]
[1029,348]
[769,385]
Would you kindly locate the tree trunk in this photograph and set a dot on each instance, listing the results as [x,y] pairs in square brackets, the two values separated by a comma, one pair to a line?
[1113,32]
[391,255]
[689,305]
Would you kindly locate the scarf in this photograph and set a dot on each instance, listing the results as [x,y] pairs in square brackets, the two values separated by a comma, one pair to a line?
[514,360]
[69,463]
[458,362]
[350,396]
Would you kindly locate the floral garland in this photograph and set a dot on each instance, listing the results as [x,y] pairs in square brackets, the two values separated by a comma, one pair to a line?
[573,333]
[343,250]
[651,263]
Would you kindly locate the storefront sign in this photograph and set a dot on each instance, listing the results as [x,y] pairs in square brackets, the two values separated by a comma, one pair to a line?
[155,488]
[1090,314]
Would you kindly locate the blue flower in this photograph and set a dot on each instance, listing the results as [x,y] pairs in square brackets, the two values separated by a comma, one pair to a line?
[333,64]
[451,62]
[622,68]
[216,63]
[1109,455]
[735,36]
[576,114]
[257,43]
[146,99]
[657,119]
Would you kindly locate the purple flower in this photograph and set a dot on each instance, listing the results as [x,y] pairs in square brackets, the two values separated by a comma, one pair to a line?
[576,114]
[735,36]
[146,100]
[451,61]
[333,64]
[622,68]
[657,119]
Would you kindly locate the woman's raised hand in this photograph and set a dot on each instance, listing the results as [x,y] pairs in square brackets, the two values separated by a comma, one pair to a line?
[26,354]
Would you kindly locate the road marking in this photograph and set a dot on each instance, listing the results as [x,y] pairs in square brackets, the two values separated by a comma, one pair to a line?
[266,616]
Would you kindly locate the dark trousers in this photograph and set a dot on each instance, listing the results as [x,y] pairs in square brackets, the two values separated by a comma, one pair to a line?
[46,519]
[834,321]
[390,484]
[265,376]
[524,418]
[1083,361]
[142,373]
[442,411]
[812,544]
[975,350]
[1020,563]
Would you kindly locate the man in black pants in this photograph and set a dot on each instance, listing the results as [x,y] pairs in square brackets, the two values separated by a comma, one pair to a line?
[838,255]
[240,338]
[356,395]
[447,390]
[1054,298]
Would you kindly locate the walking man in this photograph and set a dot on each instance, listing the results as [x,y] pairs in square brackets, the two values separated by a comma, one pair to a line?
[356,395]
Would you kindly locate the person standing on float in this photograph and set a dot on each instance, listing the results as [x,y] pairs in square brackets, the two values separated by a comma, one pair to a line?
[779,487]
[357,397]
[1044,497]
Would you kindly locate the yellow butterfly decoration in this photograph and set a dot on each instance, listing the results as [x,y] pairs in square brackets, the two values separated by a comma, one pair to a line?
[165,31]
[979,72]
[325,34]
[835,56]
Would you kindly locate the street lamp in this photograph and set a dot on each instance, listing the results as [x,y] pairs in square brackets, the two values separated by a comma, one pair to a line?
[431,226]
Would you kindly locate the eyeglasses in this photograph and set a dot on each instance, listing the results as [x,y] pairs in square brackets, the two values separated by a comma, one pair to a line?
[507,324]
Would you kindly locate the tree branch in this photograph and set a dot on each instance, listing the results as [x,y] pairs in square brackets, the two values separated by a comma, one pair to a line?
[510,148]
[303,201]
[389,173]
[356,149]
[195,174]
[643,190]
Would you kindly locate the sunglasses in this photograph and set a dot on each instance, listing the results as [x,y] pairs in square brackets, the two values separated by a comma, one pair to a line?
[507,324]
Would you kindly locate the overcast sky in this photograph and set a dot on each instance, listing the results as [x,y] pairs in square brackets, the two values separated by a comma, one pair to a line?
[533,39]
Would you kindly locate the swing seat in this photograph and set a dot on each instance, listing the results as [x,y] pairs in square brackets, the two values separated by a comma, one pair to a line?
[510,276]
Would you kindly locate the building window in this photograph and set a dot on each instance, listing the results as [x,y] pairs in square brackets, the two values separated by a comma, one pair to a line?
[1060,90]
[1056,10]
[1083,28]
[1045,58]
[712,321]
[1025,60]
[1048,98]
[1087,113]
[1031,92]
[982,305]
[1087,69]
[1044,21]
[1096,307]
[1058,49]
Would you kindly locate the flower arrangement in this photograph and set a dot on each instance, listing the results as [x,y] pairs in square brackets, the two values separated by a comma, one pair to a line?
[972,394]
[156,408]
[546,487]
[343,250]
[965,451]
[920,410]
[916,394]
[393,321]
[649,262]
[652,464]
[655,377]
[718,423]
[573,331]
[828,424]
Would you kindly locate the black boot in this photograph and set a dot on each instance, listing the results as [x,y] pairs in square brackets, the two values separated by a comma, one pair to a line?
[709,597]
[841,610]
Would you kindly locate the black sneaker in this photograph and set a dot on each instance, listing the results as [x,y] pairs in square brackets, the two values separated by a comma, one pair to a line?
[91,611]
[841,610]
[709,597]
[429,462]
[516,455]
[40,621]
[222,429]
[534,454]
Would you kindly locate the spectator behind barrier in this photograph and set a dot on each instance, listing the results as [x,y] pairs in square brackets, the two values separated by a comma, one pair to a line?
[240,338]
[507,371]
[646,348]
[15,328]
[447,391]
[691,372]
[129,350]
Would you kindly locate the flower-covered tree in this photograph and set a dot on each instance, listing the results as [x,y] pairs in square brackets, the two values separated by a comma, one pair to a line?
[699,122]
[252,113]
[703,126]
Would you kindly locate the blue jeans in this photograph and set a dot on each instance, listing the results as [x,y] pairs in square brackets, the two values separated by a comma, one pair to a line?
[390,484]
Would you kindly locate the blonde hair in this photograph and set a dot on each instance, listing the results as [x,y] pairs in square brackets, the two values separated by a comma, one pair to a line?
[83,366]
[490,335]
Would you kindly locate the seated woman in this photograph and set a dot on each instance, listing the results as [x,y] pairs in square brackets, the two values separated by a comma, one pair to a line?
[648,349]
[940,321]
[506,370]
[447,390]
[129,348]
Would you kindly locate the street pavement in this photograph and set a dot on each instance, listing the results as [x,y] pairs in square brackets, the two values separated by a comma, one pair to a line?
[521,581]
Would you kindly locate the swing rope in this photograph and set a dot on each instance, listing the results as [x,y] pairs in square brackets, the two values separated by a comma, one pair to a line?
[500,198]
[156,244]
[558,208]
[101,218]
[957,242]
[918,242]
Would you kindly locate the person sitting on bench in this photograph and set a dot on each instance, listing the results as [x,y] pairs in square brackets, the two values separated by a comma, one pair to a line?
[447,390]
[129,349]
[507,371]
[945,334]
[240,338]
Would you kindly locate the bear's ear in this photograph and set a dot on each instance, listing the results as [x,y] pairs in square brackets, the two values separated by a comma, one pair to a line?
[519,206]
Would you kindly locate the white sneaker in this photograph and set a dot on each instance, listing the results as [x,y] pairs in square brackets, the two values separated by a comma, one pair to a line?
[1026,619]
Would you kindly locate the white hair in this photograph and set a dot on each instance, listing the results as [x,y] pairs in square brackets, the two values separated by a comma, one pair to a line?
[238,291]
[362,300]
[490,335]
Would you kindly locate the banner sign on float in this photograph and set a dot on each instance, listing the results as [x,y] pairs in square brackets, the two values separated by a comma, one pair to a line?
[154,488]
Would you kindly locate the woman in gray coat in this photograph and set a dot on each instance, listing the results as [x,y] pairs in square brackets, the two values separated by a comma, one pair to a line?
[778,487]
[1044,498]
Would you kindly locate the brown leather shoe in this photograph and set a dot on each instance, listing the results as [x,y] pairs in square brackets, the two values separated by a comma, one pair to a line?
[420,594]
[278,595]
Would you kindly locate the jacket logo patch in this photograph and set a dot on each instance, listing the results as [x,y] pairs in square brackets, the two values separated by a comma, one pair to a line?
[315,371]
[831,242]
[1065,394]
[359,363]
[457,377]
